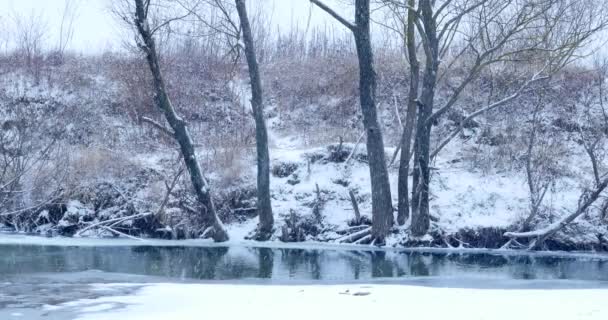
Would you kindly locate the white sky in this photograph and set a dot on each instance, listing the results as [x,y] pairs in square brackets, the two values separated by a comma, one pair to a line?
[96,29]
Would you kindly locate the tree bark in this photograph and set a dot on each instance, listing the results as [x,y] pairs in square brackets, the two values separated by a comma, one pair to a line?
[382,208]
[215,229]
[406,139]
[420,195]
[264,206]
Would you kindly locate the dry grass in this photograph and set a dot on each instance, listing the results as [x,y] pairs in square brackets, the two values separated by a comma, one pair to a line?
[93,164]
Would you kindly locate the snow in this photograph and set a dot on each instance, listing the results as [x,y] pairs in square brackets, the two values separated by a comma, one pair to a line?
[463,197]
[466,200]
[218,301]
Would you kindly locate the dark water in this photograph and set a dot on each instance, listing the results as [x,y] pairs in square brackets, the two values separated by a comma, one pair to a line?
[288,265]
[33,277]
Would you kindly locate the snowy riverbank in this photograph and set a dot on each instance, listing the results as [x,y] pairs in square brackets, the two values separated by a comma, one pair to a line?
[310,190]
[196,301]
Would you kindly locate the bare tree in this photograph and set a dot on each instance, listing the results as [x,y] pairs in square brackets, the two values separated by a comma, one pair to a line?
[5,36]
[382,207]
[591,128]
[586,200]
[31,162]
[540,165]
[406,28]
[475,34]
[264,206]
[31,34]
[146,42]
[66,28]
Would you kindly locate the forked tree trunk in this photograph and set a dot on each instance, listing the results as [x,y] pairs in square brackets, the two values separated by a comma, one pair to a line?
[215,228]
[406,139]
[420,195]
[264,206]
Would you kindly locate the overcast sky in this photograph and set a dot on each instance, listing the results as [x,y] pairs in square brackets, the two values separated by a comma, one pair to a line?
[96,29]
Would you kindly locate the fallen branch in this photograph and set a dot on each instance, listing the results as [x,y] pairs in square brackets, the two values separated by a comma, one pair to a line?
[355,236]
[111,222]
[543,234]
[121,233]
[363,240]
[351,230]
[49,201]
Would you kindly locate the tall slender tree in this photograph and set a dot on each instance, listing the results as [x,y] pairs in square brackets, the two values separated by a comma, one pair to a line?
[410,120]
[264,206]
[382,207]
[215,228]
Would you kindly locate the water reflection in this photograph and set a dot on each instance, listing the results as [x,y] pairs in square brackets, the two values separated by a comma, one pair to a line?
[220,263]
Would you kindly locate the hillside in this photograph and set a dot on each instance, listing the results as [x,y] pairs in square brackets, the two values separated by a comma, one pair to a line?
[80,157]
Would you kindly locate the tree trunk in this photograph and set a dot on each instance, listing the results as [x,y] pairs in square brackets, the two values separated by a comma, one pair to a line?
[264,206]
[420,196]
[406,138]
[180,131]
[382,208]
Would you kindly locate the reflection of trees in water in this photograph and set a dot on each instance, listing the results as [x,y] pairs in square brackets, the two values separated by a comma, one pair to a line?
[480,260]
[389,265]
[522,267]
[418,265]
[265,262]
[222,263]
[238,264]
[206,261]
[381,267]
[296,259]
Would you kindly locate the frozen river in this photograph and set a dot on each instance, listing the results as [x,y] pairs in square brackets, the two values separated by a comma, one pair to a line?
[40,281]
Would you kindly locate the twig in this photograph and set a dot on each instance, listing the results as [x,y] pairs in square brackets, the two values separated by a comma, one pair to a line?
[353,200]
[354,149]
[158,126]
[170,188]
[114,222]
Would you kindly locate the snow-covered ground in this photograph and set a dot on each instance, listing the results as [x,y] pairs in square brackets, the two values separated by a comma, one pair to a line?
[473,200]
[211,301]
[462,198]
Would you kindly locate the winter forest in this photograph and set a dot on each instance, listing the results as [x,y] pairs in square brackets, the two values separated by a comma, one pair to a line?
[462,123]
[450,146]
